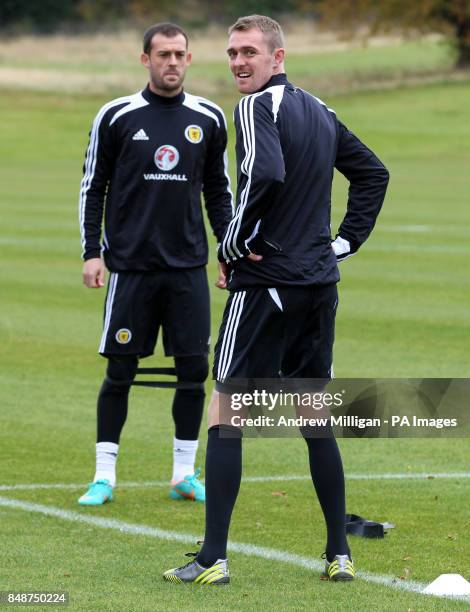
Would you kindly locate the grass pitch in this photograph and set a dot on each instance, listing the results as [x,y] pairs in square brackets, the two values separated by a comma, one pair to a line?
[403,312]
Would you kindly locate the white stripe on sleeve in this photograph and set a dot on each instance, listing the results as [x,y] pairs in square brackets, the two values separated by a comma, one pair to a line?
[90,163]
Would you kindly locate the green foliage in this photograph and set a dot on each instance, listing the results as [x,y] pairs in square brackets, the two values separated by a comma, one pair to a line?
[101,12]
[452,17]
[50,15]
[42,16]
[202,12]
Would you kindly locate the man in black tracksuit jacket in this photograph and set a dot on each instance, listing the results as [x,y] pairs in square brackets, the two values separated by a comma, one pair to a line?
[281,266]
[284,189]
[150,156]
[149,159]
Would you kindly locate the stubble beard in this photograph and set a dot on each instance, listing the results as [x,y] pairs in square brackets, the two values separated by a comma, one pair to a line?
[164,86]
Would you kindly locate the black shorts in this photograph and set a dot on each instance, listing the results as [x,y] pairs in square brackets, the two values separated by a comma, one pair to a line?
[267,333]
[138,303]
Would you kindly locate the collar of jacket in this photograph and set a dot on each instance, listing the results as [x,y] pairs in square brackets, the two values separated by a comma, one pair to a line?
[154,98]
[276,79]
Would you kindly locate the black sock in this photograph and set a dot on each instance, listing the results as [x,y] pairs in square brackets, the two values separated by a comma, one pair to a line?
[188,404]
[326,469]
[222,479]
[188,407]
[113,398]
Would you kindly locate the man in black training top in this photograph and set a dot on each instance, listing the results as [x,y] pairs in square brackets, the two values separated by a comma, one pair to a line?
[282,266]
[150,156]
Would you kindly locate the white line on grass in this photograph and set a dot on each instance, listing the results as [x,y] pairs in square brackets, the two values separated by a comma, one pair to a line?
[248,479]
[250,550]
[387,476]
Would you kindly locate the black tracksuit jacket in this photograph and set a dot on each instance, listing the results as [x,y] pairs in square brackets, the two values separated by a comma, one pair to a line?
[288,145]
[148,159]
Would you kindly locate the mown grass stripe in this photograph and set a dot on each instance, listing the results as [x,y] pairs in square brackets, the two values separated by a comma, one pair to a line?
[248,479]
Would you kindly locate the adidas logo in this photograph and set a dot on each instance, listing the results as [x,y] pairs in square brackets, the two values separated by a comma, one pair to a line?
[140,135]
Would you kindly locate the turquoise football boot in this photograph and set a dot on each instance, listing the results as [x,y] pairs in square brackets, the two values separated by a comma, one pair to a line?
[99,492]
[189,488]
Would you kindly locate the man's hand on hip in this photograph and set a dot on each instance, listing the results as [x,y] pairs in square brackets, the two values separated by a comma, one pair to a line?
[94,273]
[221,281]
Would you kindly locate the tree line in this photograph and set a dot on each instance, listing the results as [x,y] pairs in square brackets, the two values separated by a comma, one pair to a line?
[451,17]
[46,16]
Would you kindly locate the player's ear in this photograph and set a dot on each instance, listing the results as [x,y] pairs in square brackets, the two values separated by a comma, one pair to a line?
[279,55]
[145,60]
[189,58]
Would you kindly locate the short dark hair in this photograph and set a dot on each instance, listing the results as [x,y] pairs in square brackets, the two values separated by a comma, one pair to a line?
[166,29]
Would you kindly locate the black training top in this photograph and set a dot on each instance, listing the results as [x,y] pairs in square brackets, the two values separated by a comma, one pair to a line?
[288,145]
[148,159]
